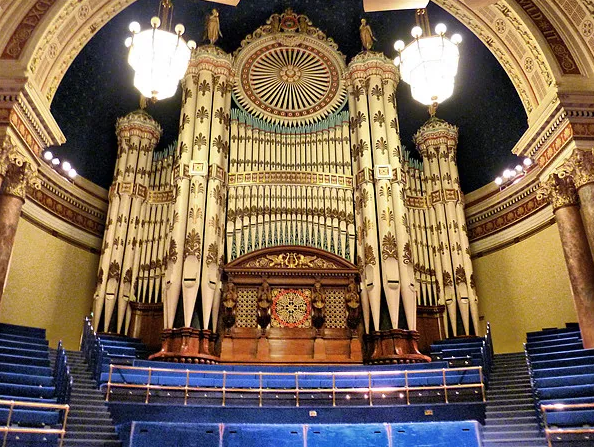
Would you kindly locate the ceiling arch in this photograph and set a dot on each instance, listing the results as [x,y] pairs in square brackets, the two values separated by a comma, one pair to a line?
[44,40]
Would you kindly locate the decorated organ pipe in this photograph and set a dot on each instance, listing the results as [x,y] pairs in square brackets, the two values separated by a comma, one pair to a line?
[298,201]
[138,135]
[365,198]
[198,137]
[213,204]
[436,141]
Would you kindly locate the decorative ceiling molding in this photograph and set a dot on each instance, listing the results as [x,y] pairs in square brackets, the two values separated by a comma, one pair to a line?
[492,28]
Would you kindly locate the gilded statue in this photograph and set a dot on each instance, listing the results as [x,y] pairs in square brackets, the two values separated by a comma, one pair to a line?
[317,303]
[264,295]
[367,37]
[213,30]
[229,304]
[275,23]
[353,302]
[230,296]
[317,296]
[303,25]
[264,302]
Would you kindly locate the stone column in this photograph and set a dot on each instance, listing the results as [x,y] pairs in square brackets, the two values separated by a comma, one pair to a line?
[16,176]
[582,165]
[578,257]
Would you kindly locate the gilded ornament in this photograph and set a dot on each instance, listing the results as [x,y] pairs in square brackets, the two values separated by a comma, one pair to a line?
[172,252]
[114,271]
[369,255]
[460,275]
[213,254]
[389,247]
[560,191]
[447,279]
[193,244]
[407,257]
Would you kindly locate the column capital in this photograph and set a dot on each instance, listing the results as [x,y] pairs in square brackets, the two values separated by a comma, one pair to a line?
[8,155]
[20,174]
[581,164]
[559,190]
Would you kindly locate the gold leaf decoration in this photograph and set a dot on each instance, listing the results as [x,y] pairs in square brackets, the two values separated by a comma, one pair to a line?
[377,91]
[200,141]
[389,247]
[381,145]
[193,244]
[213,253]
[460,275]
[114,271]
[172,253]
[202,114]
[407,257]
[447,279]
[379,118]
[204,87]
[369,255]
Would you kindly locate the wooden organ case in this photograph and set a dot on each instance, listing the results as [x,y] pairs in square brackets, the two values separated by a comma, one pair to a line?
[291,304]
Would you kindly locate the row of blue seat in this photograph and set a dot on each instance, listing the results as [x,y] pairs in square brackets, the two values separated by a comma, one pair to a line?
[102,350]
[562,374]
[26,377]
[466,351]
[216,379]
[148,434]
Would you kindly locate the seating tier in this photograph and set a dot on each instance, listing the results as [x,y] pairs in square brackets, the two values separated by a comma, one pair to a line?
[145,434]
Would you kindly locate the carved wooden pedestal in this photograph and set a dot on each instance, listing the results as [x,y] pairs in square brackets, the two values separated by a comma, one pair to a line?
[430,325]
[187,345]
[393,346]
[306,300]
[291,345]
[147,323]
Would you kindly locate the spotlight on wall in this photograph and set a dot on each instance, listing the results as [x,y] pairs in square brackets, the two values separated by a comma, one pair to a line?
[512,176]
[62,167]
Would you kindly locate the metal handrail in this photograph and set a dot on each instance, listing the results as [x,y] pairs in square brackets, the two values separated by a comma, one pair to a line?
[562,407]
[7,428]
[261,390]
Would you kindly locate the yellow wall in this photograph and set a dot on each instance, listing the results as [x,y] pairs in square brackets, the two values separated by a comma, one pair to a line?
[50,285]
[524,288]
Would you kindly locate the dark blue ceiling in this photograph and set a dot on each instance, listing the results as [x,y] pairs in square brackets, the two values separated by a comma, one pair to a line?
[97,89]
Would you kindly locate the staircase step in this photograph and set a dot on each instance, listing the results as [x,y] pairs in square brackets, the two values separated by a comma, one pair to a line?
[516,443]
[492,408]
[85,420]
[510,425]
[84,434]
[511,434]
[90,428]
[92,442]
[508,421]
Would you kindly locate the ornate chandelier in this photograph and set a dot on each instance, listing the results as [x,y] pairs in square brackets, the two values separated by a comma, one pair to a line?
[158,56]
[429,63]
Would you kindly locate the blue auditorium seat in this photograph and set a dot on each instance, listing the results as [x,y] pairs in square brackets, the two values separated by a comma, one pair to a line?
[243,435]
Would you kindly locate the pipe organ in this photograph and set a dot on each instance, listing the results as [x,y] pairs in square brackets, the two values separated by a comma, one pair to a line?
[290,186]
[288,181]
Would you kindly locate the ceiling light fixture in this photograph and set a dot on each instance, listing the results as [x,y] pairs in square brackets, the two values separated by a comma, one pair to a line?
[158,56]
[429,63]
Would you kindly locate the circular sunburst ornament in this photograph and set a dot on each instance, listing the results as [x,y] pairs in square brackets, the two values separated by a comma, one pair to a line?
[291,308]
[290,77]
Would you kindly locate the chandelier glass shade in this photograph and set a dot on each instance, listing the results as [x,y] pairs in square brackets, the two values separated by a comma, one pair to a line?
[429,64]
[159,59]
